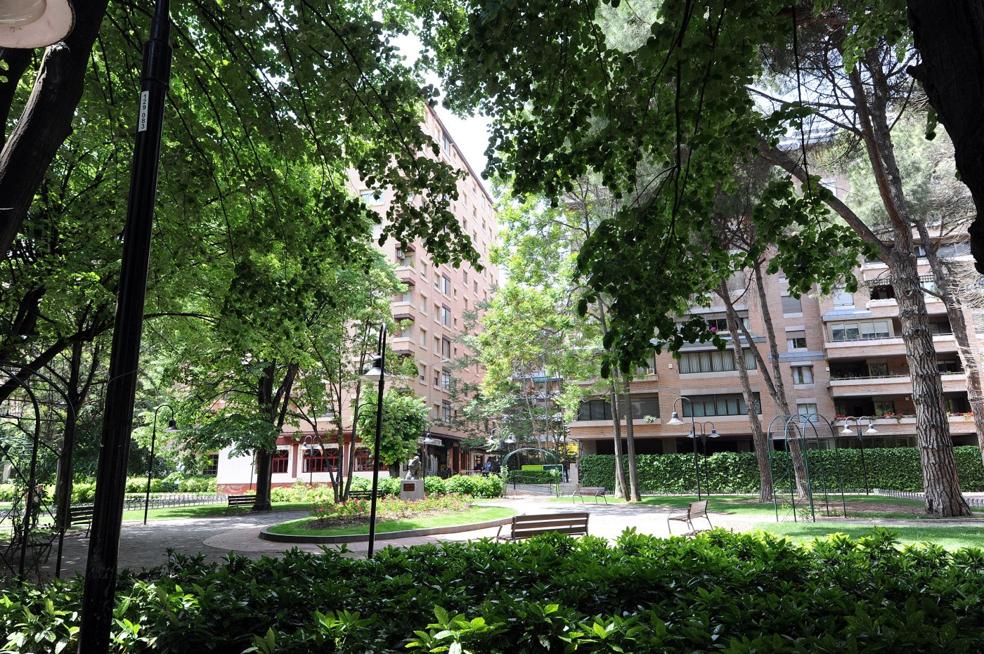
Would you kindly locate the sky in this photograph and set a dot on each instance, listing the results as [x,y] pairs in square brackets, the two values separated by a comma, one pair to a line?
[470,133]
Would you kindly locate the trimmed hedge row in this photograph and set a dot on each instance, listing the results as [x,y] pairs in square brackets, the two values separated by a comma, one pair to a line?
[716,592]
[895,468]
[473,485]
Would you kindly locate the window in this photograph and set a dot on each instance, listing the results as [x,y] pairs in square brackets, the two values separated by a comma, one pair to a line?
[446,348]
[475,284]
[437,312]
[732,404]
[363,460]
[464,276]
[422,369]
[802,374]
[594,410]
[437,378]
[211,468]
[806,408]
[445,412]
[445,142]
[317,459]
[404,331]
[423,304]
[713,361]
[404,258]
[882,292]
[796,340]
[842,298]
[445,316]
[719,325]
[864,330]
[437,345]
[877,369]
[647,405]
[280,459]
[948,250]
[423,338]
[445,284]
[445,381]
[791,304]
[406,296]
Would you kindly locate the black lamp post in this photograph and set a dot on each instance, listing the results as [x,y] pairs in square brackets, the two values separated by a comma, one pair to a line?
[704,435]
[675,420]
[867,431]
[107,513]
[172,426]
[377,373]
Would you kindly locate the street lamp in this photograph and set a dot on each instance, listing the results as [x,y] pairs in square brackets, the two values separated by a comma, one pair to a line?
[868,431]
[102,559]
[308,440]
[704,435]
[376,373]
[675,421]
[34,23]
[172,426]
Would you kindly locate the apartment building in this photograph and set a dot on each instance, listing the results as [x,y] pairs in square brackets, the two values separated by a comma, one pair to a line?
[433,308]
[842,357]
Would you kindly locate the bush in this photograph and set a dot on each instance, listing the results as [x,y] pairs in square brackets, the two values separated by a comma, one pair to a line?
[534,476]
[717,591]
[894,468]
[475,485]
[8,492]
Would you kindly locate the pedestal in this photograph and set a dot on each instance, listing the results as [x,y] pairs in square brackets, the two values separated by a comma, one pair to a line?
[412,489]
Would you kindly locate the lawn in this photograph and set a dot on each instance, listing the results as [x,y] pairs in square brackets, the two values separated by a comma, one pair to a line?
[950,537]
[208,511]
[471,515]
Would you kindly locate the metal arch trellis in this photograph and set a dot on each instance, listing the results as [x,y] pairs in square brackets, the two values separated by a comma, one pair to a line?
[505,459]
[34,501]
[800,427]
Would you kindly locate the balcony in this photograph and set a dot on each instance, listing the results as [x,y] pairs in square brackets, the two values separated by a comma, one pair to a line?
[892,384]
[883,347]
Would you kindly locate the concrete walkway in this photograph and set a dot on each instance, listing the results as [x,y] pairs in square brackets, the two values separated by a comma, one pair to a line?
[147,546]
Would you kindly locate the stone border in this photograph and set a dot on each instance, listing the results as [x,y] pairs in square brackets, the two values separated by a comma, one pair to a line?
[386,535]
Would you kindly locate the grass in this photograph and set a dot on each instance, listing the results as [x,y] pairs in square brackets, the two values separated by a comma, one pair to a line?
[471,515]
[208,511]
[947,536]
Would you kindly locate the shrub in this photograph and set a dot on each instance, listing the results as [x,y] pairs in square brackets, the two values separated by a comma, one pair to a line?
[717,591]
[8,492]
[475,485]
[894,468]
[534,476]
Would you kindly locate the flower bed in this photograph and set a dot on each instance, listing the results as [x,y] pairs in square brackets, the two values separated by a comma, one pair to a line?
[715,592]
[387,508]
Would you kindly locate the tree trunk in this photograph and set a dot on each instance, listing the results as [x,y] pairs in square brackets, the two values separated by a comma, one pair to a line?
[940,483]
[759,439]
[630,452]
[63,481]
[620,488]
[46,120]
[17,62]
[795,452]
[264,480]
[965,347]
[950,37]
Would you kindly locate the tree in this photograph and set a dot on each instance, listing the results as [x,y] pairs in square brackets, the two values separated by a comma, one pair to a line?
[405,419]
[567,98]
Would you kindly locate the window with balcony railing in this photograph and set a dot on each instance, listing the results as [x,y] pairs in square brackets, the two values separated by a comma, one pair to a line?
[860,330]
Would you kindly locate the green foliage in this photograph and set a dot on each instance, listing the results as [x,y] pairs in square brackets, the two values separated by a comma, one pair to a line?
[405,419]
[718,591]
[729,472]
[533,476]
[471,485]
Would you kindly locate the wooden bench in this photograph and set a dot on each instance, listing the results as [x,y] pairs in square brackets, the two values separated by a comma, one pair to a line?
[525,526]
[591,491]
[242,500]
[694,511]
[80,514]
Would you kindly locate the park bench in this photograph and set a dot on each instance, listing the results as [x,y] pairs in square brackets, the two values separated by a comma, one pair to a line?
[80,514]
[526,526]
[694,511]
[242,500]
[591,491]
[362,495]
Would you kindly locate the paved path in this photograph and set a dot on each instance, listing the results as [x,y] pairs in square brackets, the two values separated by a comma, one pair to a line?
[147,546]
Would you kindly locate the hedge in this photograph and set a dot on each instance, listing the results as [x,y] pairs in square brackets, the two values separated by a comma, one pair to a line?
[894,468]
[474,485]
[715,592]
